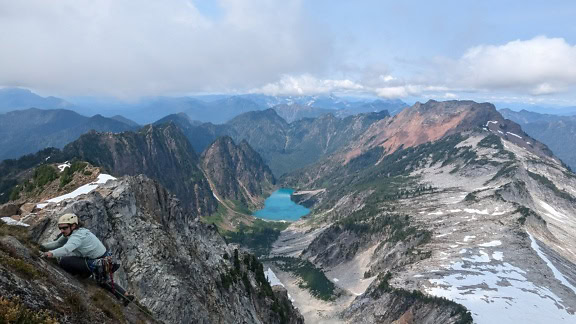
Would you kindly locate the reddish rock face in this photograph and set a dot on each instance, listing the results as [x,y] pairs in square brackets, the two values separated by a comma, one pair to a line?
[429,122]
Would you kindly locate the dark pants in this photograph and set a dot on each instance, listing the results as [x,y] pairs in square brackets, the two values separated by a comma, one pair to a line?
[77,266]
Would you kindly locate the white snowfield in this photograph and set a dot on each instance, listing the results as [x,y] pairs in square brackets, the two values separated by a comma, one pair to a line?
[102,178]
[497,292]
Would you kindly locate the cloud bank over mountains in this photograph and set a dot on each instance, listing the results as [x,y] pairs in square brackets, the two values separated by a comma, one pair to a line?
[154,47]
[138,48]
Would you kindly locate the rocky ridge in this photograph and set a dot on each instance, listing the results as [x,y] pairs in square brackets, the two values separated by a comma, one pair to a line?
[237,172]
[474,210]
[178,268]
[160,152]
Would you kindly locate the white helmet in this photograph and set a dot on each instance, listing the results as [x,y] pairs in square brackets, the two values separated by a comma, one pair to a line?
[68,219]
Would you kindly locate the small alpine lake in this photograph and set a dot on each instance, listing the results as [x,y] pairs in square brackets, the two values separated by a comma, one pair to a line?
[279,207]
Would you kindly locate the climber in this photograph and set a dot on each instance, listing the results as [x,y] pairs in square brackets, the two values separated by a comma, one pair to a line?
[82,254]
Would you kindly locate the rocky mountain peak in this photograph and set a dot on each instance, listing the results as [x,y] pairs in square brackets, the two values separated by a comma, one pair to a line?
[237,172]
[161,152]
[433,120]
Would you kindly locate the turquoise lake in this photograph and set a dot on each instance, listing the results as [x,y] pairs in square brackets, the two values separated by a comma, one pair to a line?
[279,207]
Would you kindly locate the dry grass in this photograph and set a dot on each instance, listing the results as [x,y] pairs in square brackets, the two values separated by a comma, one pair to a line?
[12,311]
[108,306]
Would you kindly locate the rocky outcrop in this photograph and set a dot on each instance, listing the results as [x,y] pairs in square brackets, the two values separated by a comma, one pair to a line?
[178,268]
[36,290]
[237,172]
[160,152]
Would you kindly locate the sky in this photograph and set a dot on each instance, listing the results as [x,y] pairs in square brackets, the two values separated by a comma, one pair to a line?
[506,50]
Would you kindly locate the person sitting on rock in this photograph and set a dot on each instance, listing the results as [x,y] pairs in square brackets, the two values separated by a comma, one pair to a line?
[82,254]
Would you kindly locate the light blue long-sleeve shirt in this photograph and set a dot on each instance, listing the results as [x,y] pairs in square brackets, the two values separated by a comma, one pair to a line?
[80,243]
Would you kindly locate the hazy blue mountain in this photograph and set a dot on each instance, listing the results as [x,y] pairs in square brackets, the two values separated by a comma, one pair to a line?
[548,110]
[294,112]
[125,120]
[30,130]
[392,106]
[17,98]
[558,132]
[222,110]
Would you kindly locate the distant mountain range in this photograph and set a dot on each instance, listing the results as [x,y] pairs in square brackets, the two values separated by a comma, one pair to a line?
[558,132]
[216,109]
[17,98]
[284,147]
[30,130]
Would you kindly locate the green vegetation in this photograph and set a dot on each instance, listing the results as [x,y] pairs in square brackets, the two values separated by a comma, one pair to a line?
[312,278]
[491,141]
[527,212]
[240,207]
[12,311]
[19,266]
[42,175]
[415,296]
[10,170]
[508,168]
[68,173]
[216,218]
[257,237]
[550,185]
[45,174]
[109,307]
[245,266]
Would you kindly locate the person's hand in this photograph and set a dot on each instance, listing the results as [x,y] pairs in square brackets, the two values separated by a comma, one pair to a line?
[47,254]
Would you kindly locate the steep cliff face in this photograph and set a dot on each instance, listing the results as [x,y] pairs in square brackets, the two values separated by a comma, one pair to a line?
[237,172]
[177,267]
[160,152]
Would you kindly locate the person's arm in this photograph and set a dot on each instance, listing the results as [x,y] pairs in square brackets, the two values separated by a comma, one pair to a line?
[54,244]
[72,244]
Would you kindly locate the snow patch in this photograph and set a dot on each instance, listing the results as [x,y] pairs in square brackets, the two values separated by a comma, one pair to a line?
[520,137]
[467,238]
[557,274]
[476,211]
[61,167]
[553,213]
[436,213]
[497,255]
[12,222]
[102,178]
[490,244]
[272,279]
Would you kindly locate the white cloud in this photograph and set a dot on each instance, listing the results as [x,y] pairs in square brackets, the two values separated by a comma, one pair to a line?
[147,47]
[537,66]
[307,84]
